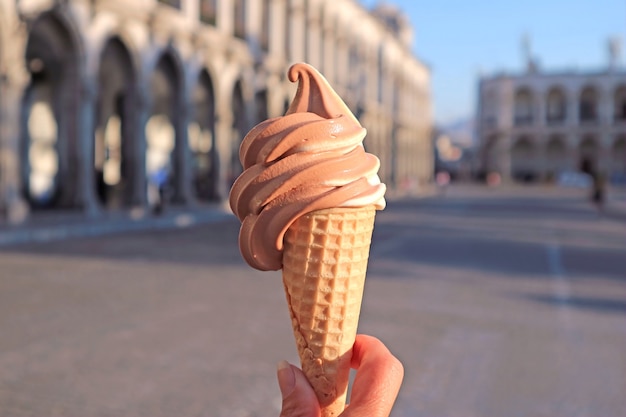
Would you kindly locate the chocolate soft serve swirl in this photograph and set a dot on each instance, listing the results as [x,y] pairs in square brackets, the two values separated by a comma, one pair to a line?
[310,159]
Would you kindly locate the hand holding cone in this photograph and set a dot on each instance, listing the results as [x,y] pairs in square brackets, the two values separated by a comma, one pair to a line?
[307,200]
[324,265]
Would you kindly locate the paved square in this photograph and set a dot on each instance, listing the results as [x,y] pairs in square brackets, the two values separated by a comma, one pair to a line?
[498,303]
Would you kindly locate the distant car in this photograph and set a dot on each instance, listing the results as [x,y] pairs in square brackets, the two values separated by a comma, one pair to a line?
[574,179]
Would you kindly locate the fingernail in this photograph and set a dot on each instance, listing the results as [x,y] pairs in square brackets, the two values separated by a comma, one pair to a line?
[286,378]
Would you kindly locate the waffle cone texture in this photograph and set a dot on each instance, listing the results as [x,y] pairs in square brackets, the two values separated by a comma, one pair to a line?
[324,265]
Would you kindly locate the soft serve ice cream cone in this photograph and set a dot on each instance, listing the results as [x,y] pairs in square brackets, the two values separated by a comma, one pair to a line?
[307,200]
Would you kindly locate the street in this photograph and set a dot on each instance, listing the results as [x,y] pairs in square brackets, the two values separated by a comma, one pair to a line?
[499,302]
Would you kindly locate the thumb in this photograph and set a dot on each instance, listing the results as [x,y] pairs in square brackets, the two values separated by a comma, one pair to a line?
[299,399]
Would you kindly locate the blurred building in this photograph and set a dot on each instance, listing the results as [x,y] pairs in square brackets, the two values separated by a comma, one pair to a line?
[536,125]
[98,98]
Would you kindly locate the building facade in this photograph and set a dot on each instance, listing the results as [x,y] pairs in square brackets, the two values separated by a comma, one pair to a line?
[98,97]
[535,126]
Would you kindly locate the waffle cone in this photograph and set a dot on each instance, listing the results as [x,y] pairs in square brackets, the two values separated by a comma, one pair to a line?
[324,264]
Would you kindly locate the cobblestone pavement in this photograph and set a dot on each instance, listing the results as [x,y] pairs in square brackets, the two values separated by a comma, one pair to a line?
[498,302]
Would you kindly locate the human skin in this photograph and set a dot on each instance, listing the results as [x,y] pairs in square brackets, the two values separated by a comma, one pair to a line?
[376,385]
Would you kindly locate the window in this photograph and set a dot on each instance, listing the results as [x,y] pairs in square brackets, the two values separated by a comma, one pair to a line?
[588,105]
[556,107]
[523,107]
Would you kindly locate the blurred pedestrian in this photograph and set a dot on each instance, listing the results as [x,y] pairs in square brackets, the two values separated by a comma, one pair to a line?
[156,189]
[598,191]
[376,385]
[101,186]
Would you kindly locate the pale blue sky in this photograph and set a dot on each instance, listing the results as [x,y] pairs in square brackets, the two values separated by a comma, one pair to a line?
[459,38]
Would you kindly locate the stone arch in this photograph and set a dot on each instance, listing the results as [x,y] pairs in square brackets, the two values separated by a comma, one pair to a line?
[618,157]
[588,152]
[202,140]
[238,129]
[619,104]
[115,132]
[555,156]
[588,104]
[523,106]
[523,159]
[164,136]
[50,146]
[556,105]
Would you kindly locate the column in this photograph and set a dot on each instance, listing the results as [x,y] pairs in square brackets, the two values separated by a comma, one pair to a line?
[223,137]
[191,9]
[314,33]
[382,74]
[394,139]
[13,82]
[183,157]
[573,108]
[86,182]
[12,85]
[297,29]
[342,70]
[540,106]
[139,197]
[253,17]
[328,48]
[360,75]
[226,16]
[372,73]
[278,29]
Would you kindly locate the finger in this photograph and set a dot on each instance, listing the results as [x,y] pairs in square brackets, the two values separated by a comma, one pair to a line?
[378,379]
[299,399]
